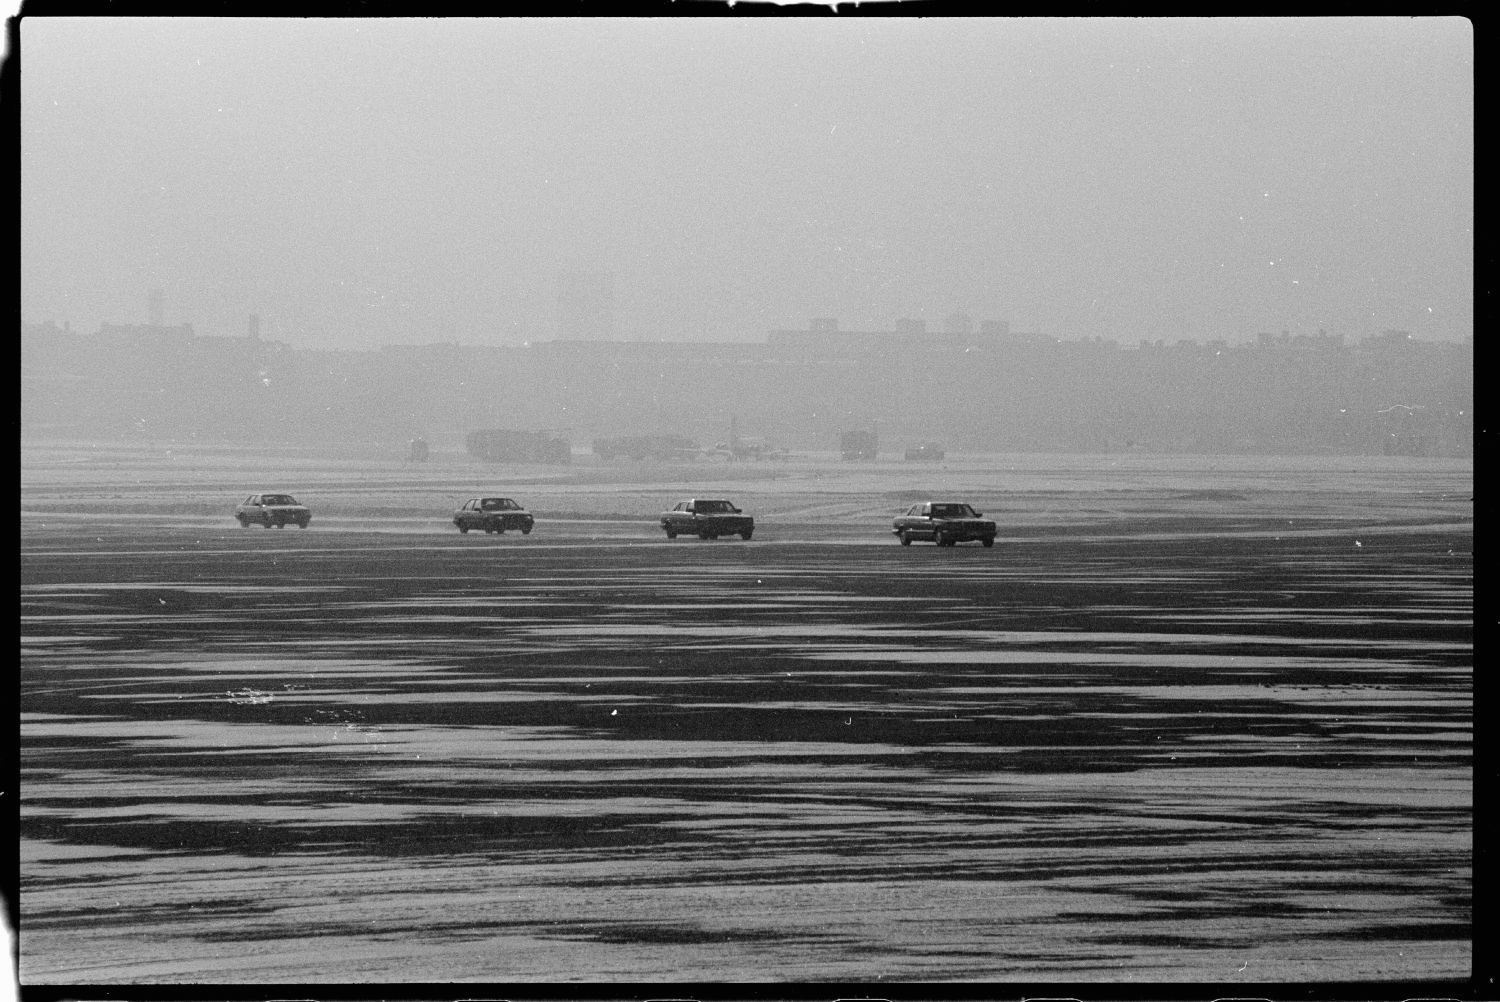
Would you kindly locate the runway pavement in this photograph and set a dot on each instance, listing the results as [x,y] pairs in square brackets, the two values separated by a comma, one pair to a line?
[1158,733]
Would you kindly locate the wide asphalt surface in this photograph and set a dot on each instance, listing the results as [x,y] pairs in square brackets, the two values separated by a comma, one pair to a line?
[1166,736]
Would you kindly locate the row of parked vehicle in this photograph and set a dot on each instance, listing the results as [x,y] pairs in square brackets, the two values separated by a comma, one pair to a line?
[945,523]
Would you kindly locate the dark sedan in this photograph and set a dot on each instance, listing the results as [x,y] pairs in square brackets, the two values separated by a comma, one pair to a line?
[943,522]
[706,518]
[493,515]
[272,509]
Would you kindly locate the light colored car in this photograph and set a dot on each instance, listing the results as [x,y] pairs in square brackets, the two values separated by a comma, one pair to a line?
[706,518]
[943,522]
[493,515]
[272,509]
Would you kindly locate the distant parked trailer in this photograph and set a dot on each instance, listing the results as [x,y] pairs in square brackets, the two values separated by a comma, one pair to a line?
[500,445]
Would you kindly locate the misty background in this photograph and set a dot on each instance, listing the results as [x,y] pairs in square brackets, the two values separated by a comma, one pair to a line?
[360,182]
[1083,235]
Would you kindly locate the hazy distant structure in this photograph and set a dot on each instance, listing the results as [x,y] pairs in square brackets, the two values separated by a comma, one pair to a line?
[1288,393]
[824,336]
[1175,322]
[959,325]
[500,445]
[154,312]
[146,333]
[253,329]
[586,306]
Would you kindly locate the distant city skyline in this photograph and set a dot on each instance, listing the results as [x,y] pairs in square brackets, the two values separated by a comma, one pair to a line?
[586,314]
[577,327]
[978,388]
[358,182]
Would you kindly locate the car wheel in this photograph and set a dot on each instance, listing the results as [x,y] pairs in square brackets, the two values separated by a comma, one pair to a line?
[268,523]
[302,524]
[746,534]
[526,532]
[464,529]
[671,534]
[988,542]
[244,523]
[905,537]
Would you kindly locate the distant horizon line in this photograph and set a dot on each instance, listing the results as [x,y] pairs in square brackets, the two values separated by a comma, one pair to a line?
[828,335]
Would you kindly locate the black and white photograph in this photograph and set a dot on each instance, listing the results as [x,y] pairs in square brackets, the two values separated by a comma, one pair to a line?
[862,505]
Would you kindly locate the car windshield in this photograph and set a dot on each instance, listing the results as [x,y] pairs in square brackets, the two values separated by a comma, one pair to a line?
[952,511]
[277,499]
[713,507]
[498,504]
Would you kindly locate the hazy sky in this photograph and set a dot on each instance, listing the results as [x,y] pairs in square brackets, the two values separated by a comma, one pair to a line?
[359,182]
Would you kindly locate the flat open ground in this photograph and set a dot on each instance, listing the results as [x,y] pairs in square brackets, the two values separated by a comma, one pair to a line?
[1199,720]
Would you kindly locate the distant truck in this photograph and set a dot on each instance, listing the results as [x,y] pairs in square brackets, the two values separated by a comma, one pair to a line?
[858,445]
[927,452]
[639,447]
[500,445]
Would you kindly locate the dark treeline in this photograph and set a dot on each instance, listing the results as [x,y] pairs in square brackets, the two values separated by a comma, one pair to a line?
[1288,395]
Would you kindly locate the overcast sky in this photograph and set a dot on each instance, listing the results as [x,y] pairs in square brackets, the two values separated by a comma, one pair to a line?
[360,182]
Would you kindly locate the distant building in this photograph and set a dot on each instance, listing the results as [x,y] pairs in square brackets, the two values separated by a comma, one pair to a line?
[48,328]
[824,338]
[146,332]
[1294,393]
